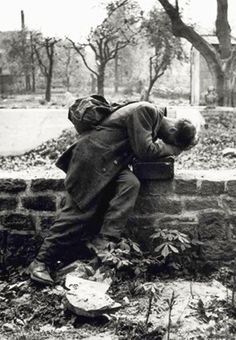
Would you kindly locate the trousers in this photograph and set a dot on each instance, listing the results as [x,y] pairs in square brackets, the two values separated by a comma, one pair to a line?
[107,214]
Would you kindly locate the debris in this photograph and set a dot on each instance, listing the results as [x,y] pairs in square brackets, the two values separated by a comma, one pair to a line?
[81,269]
[88,298]
[10,327]
[231,152]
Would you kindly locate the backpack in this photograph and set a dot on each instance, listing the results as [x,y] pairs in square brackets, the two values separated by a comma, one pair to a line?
[88,112]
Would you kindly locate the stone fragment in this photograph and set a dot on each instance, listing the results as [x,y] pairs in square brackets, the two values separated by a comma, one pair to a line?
[230,152]
[88,298]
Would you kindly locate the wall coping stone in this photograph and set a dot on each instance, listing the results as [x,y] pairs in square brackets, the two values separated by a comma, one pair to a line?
[35,173]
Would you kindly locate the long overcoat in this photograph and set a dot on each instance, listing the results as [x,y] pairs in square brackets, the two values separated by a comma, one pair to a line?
[99,155]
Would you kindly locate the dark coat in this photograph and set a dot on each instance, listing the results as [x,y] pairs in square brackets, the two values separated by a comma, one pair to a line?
[99,155]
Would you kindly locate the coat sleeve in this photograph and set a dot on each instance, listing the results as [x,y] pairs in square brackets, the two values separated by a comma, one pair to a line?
[142,123]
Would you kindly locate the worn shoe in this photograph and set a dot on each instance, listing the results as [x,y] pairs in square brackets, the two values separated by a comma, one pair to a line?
[38,272]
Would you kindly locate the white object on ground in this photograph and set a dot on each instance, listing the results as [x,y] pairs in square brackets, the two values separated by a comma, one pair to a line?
[88,298]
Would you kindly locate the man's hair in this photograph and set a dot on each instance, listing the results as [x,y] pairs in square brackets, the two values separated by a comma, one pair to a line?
[185,133]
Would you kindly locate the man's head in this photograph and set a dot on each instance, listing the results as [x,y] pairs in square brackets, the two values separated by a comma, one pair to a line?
[178,132]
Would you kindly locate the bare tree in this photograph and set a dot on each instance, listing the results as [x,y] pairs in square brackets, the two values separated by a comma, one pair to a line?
[117,31]
[44,49]
[222,61]
[166,47]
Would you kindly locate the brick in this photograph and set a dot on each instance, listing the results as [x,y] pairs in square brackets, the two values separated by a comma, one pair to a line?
[230,203]
[12,185]
[232,222]
[156,187]
[209,188]
[3,239]
[22,249]
[8,203]
[187,225]
[18,221]
[46,222]
[232,219]
[155,204]
[200,203]
[231,188]
[40,203]
[218,251]
[42,184]
[212,225]
[139,229]
[185,187]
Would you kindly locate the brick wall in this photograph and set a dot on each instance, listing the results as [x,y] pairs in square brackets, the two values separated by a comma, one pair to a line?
[200,206]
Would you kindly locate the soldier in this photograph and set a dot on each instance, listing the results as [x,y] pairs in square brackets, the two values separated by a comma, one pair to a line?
[101,188]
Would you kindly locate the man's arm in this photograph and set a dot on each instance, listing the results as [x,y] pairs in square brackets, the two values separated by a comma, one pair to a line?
[140,125]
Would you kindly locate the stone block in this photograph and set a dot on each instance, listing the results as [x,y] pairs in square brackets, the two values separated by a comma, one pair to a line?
[232,222]
[209,188]
[200,203]
[8,203]
[155,204]
[213,225]
[186,225]
[139,228]
[12,185]
[218,250]
[22,249]
[18,221]
[40,202]
[153,188]
[230,203]
[46,222]
[231,188]
[41,184]
[185,187]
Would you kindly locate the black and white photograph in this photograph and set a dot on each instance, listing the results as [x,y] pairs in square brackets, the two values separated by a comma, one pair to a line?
[118,170]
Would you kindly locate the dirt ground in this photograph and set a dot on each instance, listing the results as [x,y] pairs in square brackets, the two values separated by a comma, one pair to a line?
[180,309]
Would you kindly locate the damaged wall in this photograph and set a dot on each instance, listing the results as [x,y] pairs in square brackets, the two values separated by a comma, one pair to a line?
[200,206]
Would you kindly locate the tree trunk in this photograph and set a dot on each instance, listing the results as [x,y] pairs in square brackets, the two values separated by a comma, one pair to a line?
[27,82]
[33,88]
[32,59]
[116,83]
[229,90]
[48,88]
[93,83]
[209,53]
[100,80]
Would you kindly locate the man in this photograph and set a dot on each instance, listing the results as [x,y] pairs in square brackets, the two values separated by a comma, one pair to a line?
[101,189]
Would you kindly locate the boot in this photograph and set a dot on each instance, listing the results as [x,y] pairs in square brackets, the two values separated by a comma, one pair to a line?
[38,272]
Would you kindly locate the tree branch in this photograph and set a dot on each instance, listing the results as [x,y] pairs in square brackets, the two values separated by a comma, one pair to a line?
[78,50]
[180,29]
[223,29]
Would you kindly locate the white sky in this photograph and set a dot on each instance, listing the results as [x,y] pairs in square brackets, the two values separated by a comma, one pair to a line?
[74,18]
